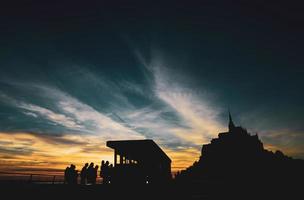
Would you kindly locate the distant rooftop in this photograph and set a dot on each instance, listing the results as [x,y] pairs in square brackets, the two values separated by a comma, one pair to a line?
[140,150]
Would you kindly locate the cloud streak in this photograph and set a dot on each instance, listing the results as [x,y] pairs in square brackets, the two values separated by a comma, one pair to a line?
[199,116]
[56,118]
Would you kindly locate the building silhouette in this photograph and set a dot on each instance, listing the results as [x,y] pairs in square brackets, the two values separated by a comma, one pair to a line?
[238,157]
[139,161]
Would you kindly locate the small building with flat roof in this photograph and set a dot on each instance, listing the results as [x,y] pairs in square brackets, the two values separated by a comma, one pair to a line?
[141,161]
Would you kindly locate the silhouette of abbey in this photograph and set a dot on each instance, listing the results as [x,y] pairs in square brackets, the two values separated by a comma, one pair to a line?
[237,158]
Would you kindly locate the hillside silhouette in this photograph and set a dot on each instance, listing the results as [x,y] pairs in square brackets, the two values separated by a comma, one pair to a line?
[237,159]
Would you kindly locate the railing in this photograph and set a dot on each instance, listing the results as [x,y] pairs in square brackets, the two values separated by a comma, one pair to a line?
[16,177]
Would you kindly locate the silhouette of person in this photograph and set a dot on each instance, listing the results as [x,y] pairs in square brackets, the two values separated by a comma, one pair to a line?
[73,175]
[95,174]
[83,174]
[105,171]
[66,175]
[110,169]
[90,173]
[102,166]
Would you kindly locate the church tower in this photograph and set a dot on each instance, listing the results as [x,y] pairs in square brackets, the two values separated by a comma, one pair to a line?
[231,124]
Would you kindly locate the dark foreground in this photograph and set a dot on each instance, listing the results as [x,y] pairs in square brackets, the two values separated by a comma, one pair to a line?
[170,191]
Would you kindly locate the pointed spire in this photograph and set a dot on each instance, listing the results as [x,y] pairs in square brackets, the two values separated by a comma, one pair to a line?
[231,124]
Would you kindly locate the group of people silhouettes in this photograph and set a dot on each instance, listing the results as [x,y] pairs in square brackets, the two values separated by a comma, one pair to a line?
[71,175]
[106,172]
[88,173]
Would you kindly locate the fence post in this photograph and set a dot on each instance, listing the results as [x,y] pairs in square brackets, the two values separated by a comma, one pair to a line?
[54,177]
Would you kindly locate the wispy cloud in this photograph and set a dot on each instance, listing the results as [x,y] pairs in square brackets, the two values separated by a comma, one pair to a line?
[198,114]
[96,121]
[30,114]
[57,118]
[73,115]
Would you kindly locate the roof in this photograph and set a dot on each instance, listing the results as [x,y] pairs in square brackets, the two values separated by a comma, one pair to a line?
[140,150]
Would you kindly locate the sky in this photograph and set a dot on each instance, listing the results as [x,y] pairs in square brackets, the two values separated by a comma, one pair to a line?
[74,75]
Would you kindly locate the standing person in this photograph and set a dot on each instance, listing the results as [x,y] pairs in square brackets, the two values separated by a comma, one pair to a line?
[105,172]
[90,173]
[102,168]
[83,174]
[73,175]
[110,172]
[66,175]
[95,175]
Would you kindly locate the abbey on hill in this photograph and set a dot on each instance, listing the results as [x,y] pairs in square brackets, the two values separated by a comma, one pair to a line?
[237,155]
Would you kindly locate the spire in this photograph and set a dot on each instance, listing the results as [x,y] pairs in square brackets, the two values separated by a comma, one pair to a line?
[231,124]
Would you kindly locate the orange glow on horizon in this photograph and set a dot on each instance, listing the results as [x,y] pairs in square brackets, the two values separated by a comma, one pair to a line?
[33,153]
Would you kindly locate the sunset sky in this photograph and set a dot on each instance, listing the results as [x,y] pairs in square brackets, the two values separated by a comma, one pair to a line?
[76,75]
